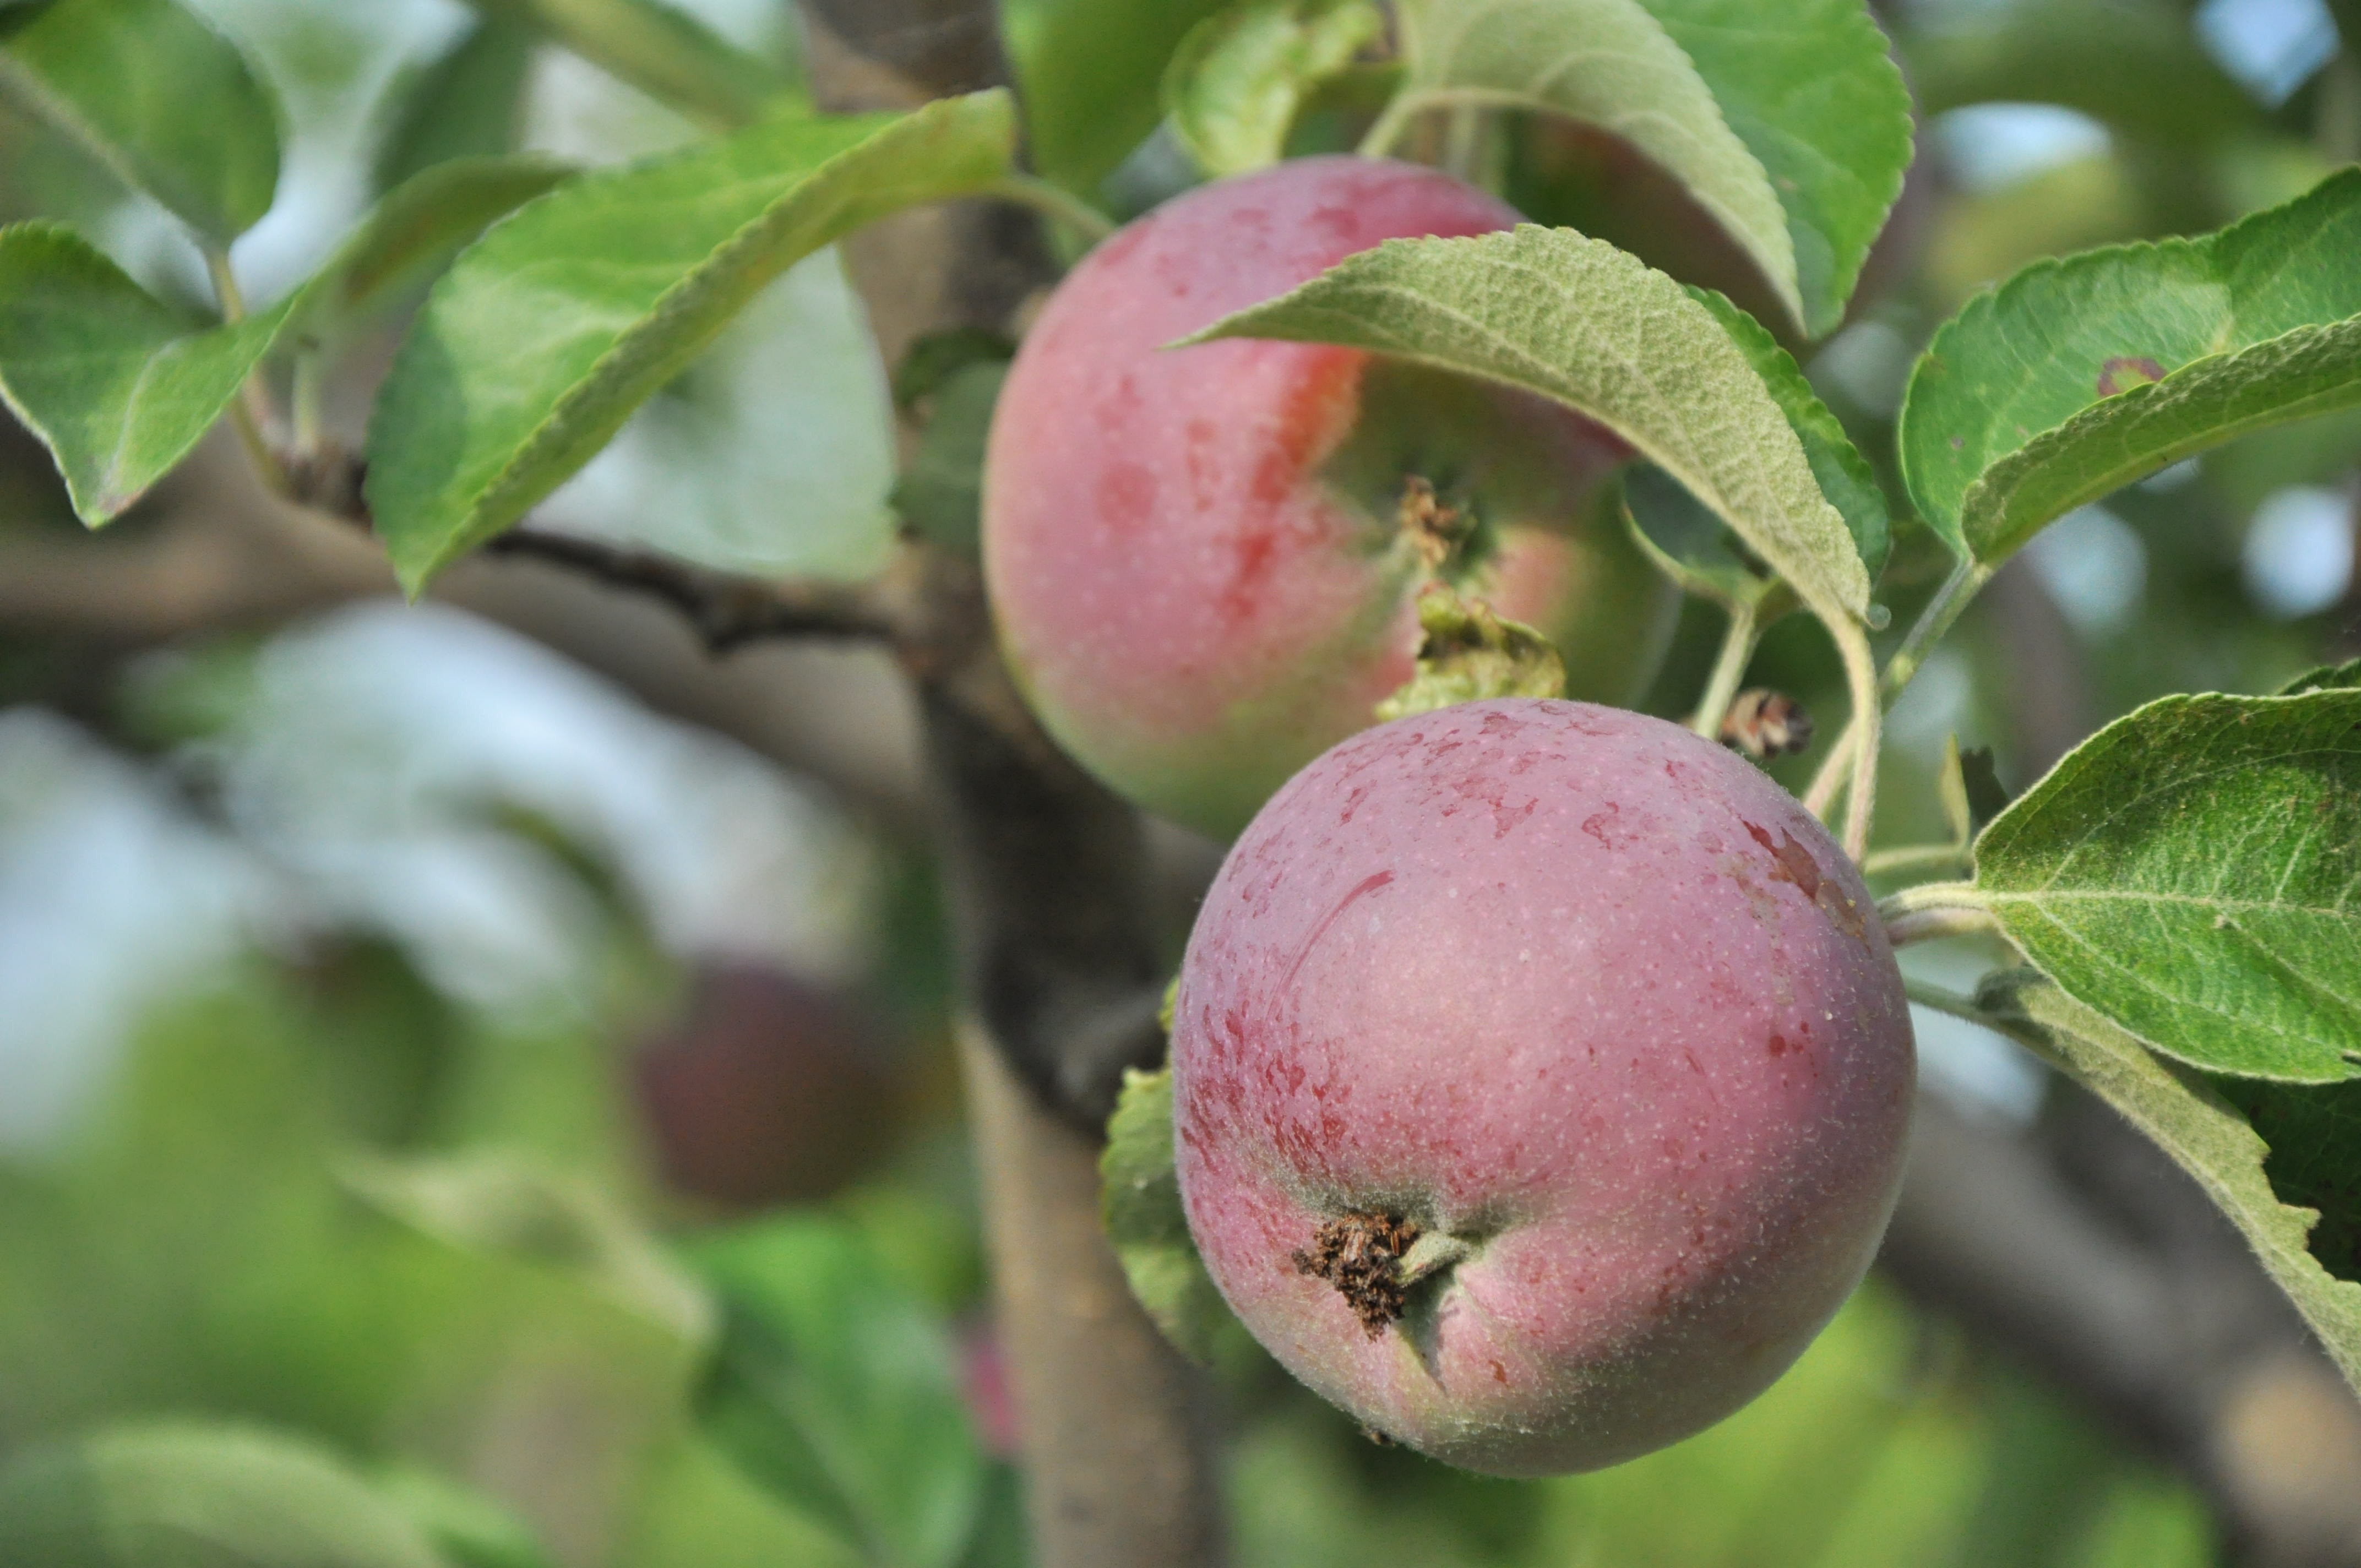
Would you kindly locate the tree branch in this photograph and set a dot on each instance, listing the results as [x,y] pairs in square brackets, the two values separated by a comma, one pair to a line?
[727,612]
[1052,895]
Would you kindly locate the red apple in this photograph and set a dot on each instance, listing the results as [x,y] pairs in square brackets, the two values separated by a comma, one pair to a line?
[771,1090]
[1541,1077]
[1197,556]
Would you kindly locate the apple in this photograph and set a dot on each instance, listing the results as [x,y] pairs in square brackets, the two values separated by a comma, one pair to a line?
[1541,1076]
[771,1090]
[1203,561]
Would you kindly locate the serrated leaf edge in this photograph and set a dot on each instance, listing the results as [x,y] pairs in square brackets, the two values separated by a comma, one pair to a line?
[1778,267]
[110,500]
[471,533]
[2068,768]
[1995,296]
[1850,597]
[2278,1231]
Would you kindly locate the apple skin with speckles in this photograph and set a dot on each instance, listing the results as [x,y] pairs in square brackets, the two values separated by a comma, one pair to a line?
[1590,1000]
[1196,555]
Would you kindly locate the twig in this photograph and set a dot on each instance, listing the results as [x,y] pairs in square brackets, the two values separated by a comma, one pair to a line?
[726,611]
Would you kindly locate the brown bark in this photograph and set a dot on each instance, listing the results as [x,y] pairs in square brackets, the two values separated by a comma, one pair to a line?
[1053,900]
[1112,1420]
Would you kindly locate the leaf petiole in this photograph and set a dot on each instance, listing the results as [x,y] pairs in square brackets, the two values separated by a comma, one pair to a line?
[1958,590]
[1915,857]
[1936,925]
[1932,911]
[1943,999]
[304,400]
[251,414]
[1738,642]
[1865,729]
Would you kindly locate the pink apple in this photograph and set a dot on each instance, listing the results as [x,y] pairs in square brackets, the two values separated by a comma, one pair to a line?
[1541,1076]
[1196,556]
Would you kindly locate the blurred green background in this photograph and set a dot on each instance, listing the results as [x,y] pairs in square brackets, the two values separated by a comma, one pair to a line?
[467,1104]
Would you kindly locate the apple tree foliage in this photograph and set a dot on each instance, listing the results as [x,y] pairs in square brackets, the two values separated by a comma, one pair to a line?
[2183,893]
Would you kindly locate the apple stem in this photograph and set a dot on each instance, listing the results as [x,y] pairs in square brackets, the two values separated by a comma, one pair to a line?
[1932,911]
[1432,1253]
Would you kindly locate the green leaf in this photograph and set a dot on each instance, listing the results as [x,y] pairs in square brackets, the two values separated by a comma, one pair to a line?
[1695,549]
[467,105]
[1580,321]
[1788,124]
[839,1392]
[702,470]
[468,1529]
[117,386]
[2182,1116]
[2328,677]
[1844,475]
[1088,73]
[120,387]
[2315,1159]
[2193,873]
[1812,89]
[2077,377]
[513,1208]
[940,494]
[538,344]
[190,1495]
[412,236]
[933,359]
[699,1509]
[1234,88]
[1140,1202]
[1466,654]
[160,98]
[661,49]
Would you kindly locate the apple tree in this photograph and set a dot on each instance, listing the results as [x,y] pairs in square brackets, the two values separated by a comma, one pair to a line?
[1538,1079]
